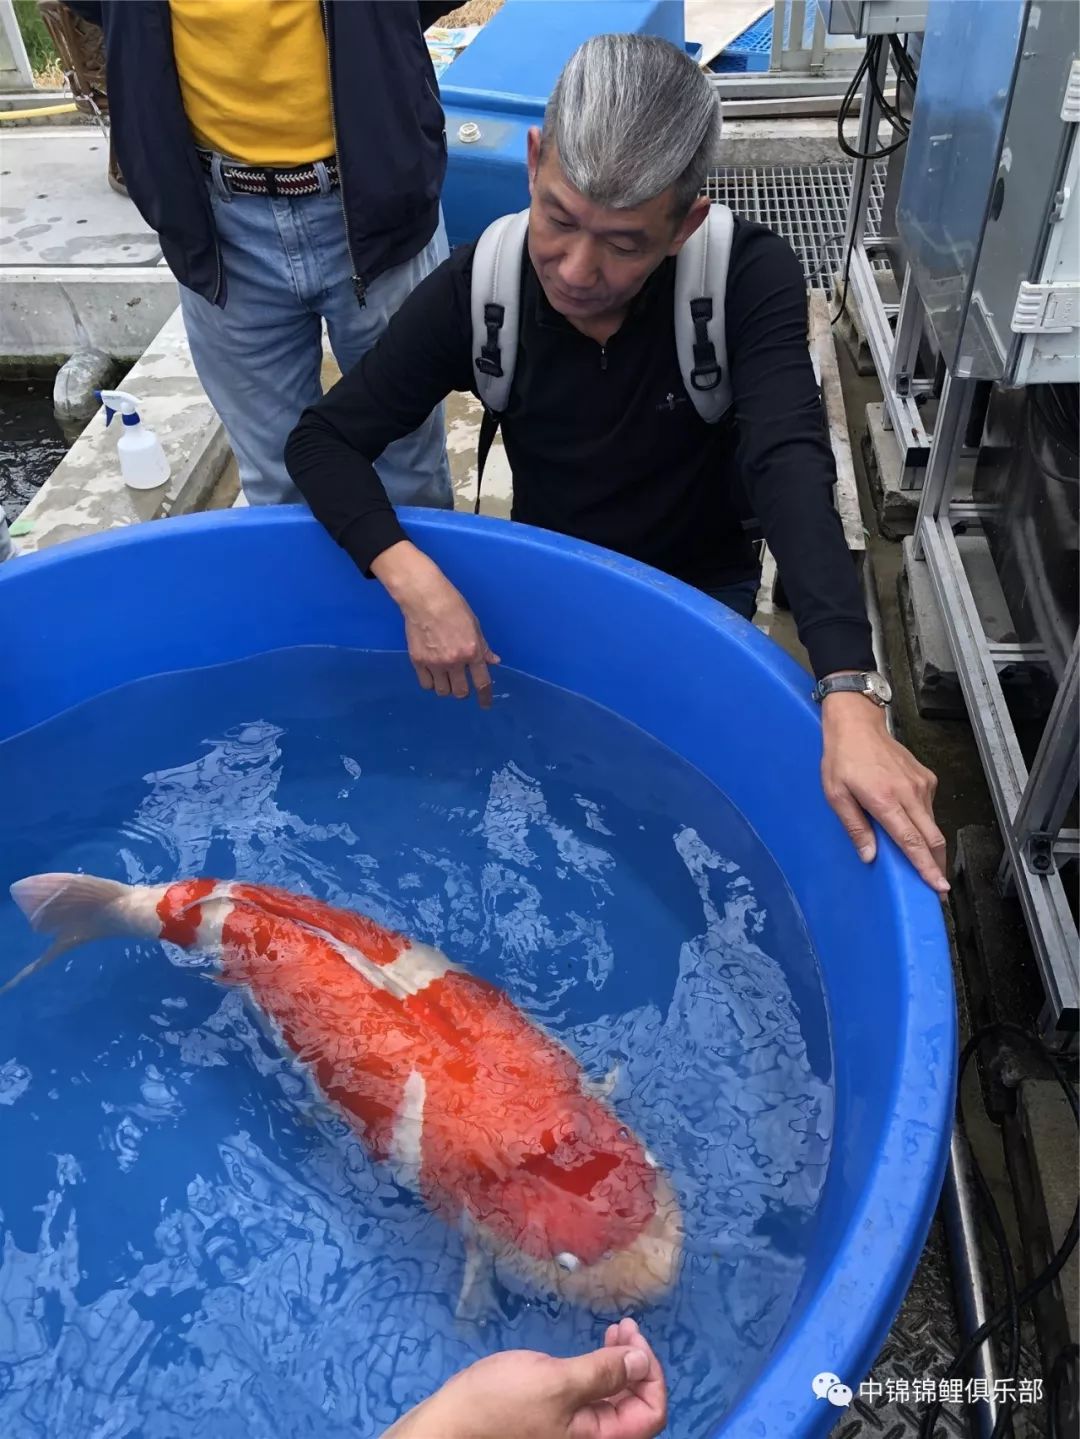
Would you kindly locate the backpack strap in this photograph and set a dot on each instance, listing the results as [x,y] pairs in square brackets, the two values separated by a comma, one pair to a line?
[489,428]
[496,307]
[700,292]
[496,323]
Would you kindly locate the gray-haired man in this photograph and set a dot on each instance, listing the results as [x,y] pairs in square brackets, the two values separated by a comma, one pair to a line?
[602,439]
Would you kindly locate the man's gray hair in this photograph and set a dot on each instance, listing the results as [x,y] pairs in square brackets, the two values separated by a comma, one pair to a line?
[631,116]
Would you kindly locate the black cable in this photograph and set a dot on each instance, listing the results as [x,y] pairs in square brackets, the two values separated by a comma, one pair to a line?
[891,112]
[848,100]
[1015,1302]
[845,105]
[870,59]
[902,61]
[1058,408]
[1043,459]
[994,1323]
[1059,1373]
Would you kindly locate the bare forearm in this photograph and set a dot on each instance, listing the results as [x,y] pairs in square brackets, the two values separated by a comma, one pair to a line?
[407,574]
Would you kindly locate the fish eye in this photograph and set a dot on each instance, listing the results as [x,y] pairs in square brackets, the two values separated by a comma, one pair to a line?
[568,1261]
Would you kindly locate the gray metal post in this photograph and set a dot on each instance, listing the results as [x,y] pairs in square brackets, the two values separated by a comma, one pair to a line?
[958,1201]
[961,1215]
[908,335]
[819,44]
[901,412]
[869,122]
[796,24]
[15,69]
[952,419]
[1053,779]
[1042,896]
[776,52]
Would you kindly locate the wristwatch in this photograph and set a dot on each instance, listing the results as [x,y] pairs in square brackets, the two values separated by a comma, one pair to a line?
[871,684]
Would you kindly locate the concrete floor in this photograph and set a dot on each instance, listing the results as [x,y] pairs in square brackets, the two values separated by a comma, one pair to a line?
[56,207]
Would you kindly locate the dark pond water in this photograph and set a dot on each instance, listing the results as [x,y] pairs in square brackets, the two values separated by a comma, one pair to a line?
[31,442]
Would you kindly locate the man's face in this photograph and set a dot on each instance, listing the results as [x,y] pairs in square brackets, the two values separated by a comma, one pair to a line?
[592,261]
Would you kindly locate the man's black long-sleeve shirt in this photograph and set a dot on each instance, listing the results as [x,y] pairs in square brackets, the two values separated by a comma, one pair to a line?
[604,443]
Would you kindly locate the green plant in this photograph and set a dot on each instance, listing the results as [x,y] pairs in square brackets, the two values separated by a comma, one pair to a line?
[39,45]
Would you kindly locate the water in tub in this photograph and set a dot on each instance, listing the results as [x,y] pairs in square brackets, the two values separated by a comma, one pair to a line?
[195,1241]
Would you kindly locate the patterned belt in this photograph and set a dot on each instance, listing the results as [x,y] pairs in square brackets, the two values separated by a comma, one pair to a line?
[257,180]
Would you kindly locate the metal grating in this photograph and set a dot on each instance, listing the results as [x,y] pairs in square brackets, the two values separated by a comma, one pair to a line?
[806,204]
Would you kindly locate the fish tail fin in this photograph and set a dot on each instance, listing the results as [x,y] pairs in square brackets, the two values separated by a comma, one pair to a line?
[73,908]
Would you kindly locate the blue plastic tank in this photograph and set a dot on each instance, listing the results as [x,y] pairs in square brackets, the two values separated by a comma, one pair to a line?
[224,586]
[498,87]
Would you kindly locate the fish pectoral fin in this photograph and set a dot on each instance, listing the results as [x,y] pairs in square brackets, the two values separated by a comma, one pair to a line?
[54,951]
[219,977]
[476,1302]
[602,1088]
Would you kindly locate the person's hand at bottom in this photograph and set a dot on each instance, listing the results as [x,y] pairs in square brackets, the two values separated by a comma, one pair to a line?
[616,1392]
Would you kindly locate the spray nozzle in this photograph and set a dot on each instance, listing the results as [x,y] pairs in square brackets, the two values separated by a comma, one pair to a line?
[114,400]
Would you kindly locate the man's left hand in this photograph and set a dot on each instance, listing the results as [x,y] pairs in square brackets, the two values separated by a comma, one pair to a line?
[865,771]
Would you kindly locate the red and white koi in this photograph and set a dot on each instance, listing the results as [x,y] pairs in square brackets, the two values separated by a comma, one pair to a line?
[474,1108]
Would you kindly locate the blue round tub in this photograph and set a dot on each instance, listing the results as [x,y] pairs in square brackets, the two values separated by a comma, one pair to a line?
[88,616]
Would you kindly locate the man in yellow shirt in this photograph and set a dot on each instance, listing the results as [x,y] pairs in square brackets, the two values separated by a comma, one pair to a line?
[290,155]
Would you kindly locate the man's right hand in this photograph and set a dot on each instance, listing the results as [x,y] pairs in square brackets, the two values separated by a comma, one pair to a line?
[446,644]
[616,1392]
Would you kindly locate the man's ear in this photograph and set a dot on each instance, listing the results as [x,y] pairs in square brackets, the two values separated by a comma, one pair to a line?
[534,146]
[694,217]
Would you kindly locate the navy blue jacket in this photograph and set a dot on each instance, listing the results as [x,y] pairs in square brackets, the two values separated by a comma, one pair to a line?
[388,119]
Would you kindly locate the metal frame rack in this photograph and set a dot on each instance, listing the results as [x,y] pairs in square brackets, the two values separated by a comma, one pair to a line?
[1031,805]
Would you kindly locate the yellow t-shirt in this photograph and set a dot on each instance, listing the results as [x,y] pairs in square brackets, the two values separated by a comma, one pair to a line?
[255,78]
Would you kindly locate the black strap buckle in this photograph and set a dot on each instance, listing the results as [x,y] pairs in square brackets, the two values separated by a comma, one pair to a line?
[489,360]
[706,372]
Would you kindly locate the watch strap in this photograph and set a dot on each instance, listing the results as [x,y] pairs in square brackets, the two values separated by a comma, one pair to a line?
[847,684]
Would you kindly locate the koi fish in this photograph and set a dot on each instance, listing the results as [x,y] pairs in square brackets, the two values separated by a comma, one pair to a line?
[472,1106]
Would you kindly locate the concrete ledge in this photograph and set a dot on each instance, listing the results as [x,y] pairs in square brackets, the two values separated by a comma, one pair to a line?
[896,508]
[801,141]
[51,312]
[85,493]
[823,354]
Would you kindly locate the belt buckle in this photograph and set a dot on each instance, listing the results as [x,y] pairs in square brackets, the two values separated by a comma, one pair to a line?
[264,177]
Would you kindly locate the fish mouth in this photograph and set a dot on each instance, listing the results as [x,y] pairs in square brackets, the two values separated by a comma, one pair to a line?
[629,1278]
[638,1275]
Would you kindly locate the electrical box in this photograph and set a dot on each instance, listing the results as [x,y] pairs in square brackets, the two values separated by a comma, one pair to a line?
[875,17]
[988,210]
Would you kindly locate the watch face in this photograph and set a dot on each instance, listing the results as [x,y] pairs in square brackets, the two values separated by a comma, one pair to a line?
[879,687]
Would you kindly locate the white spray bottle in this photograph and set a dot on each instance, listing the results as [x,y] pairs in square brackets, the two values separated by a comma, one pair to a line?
[142,460]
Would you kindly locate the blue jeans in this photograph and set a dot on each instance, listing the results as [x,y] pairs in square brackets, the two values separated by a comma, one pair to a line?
[740,597]
[287,268]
